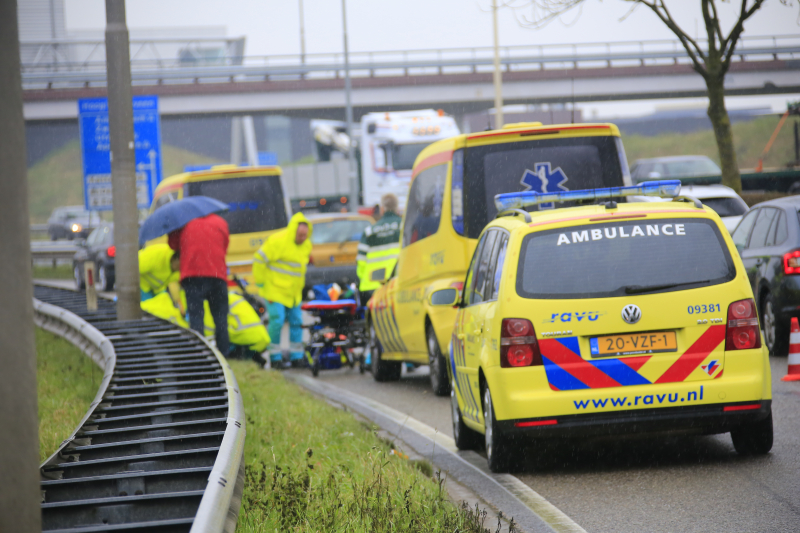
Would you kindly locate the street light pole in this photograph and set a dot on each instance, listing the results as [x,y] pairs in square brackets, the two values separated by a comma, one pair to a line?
[19,461]
[123,162]
[498,75]
[351,158]
[302,35]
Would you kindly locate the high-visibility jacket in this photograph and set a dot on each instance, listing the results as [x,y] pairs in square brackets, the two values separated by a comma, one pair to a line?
[279,266]
[161,306]
[379,248]
[244,325]
[155,272]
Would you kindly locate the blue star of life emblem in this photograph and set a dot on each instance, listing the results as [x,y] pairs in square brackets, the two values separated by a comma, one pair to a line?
[542,179]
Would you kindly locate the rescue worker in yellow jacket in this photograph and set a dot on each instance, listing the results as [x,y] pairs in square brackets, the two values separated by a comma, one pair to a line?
[279,270]
[162,306]
[379,247]
[159,265]
[245,329]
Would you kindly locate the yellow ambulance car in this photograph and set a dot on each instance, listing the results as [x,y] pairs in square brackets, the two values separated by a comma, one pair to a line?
[606,319]
[450,201]
[258,204]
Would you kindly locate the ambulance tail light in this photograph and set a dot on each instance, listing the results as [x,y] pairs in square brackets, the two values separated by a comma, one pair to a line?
[111,251]
[742,331]
[791,262]
[518,344]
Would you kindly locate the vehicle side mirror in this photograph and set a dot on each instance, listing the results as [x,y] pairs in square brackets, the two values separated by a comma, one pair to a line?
[444,297]
[378,275]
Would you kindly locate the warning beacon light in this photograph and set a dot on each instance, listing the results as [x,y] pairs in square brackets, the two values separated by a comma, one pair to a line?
[518,200]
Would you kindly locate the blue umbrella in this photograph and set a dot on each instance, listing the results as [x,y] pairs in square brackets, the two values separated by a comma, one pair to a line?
[176,215]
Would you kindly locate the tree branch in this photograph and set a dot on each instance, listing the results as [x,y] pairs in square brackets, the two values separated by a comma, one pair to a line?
[692,48]
[729,44]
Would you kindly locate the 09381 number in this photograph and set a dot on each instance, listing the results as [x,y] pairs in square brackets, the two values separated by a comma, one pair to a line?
[703,308]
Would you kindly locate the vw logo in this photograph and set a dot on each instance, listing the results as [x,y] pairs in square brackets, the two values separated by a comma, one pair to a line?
[631,314]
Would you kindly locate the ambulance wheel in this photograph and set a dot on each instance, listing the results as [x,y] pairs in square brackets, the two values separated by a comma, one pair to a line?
[755,438]
[775,333]
[497,449]
[466,438]
[440,381]
[382,370]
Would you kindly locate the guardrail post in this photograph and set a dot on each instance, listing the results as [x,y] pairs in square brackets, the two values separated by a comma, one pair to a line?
[19,491]
[91,291]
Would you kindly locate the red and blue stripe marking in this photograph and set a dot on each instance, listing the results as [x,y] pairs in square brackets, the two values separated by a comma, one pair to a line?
[567,370]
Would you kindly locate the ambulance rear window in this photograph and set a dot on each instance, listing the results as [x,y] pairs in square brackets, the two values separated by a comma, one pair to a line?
[623,258]
[256,203]
[551,165]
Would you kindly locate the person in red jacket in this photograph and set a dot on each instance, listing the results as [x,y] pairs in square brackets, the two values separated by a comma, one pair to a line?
[203,243]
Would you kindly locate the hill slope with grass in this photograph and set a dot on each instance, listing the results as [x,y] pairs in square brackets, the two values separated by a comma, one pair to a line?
[749,137]
[58,178]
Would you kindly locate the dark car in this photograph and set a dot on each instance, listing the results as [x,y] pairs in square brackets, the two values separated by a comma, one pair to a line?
[768,240]
[99,247]
[71,221]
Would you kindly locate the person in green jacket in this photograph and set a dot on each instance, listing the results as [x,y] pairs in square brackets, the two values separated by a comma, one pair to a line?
[379,247]
[159,265]
[279,270]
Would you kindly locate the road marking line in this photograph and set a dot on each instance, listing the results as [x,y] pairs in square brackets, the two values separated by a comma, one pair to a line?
[549,513]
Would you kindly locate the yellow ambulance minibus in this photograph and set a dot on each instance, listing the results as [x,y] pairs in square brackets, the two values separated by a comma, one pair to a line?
[450,201]
[258,204]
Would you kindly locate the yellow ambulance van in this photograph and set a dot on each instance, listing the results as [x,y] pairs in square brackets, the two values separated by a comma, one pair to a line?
[258,204]
[450,201]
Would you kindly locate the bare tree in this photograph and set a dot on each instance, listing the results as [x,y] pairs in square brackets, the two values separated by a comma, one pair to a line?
[712,62]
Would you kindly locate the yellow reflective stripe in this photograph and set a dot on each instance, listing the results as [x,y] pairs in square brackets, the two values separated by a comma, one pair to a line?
[282,271]
[254,325]
[288,263]
[152,280]
[261,257]
[381,258]
[385,247]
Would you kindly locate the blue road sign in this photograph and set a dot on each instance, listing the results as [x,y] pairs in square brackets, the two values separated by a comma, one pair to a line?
[96,150]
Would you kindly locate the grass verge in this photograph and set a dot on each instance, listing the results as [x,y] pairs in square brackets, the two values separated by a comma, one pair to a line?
[48,272]
[67,382]
[312,467]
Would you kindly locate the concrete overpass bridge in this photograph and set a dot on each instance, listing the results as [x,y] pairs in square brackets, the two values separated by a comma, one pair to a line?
[456,80]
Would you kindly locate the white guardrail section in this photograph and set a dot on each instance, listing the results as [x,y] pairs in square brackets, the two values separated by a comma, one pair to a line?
[219,507]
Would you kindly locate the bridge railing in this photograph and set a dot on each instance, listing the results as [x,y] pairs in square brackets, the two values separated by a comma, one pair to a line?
[408,62]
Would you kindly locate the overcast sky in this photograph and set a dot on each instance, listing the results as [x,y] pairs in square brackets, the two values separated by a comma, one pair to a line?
[272,26]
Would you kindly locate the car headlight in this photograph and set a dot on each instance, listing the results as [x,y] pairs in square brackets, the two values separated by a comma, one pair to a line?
[76,228]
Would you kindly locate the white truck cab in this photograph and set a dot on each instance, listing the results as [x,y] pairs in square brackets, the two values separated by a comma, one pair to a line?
[390,142]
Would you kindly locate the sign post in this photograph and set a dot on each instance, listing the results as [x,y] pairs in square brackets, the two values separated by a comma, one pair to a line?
[95,148]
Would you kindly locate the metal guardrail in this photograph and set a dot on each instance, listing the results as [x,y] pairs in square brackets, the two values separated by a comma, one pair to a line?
[52,251]
[322,66]
[162,445]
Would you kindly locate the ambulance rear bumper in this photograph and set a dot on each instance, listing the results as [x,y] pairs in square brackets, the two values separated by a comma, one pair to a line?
[699,419]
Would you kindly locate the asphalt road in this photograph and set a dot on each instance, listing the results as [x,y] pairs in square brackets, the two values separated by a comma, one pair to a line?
[631,485]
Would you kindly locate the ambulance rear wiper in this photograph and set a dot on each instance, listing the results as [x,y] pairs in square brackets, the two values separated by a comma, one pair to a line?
[637,289]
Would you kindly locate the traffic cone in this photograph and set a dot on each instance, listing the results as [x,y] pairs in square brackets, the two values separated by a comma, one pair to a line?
[794,353]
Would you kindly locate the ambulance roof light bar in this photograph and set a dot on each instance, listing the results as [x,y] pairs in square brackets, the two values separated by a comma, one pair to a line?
[519,200]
